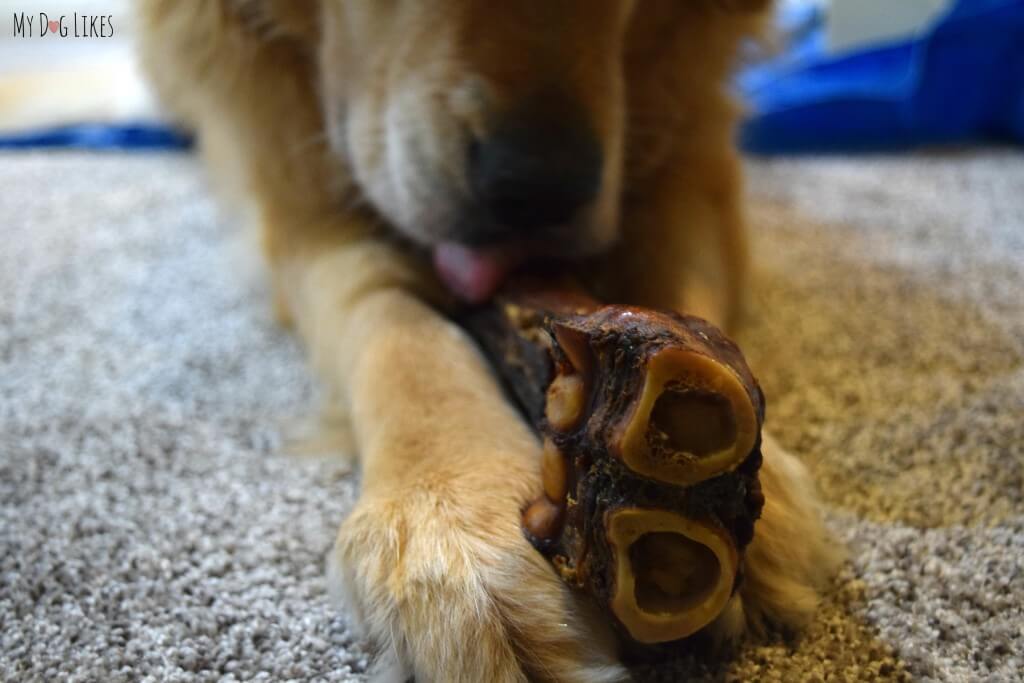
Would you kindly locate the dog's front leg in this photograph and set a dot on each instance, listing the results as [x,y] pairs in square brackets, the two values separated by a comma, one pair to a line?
[685,249]
[684,243]
[432,559]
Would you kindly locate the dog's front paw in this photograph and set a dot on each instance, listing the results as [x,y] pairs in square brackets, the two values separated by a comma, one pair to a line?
[450,592]
[793,557]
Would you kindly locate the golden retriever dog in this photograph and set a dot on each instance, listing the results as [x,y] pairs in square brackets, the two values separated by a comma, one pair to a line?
[400,155]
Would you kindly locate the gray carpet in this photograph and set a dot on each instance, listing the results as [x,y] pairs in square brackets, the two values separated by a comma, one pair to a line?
[151,529]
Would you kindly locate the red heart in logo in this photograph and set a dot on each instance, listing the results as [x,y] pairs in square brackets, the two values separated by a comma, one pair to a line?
[54,26]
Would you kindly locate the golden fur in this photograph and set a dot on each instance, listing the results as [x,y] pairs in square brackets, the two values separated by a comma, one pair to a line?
[325,120]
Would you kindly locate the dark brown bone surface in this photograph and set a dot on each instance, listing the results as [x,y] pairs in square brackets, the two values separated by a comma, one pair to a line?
[651,424]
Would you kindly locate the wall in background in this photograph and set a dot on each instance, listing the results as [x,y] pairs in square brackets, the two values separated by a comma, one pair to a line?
[52,80]
[854,22]
[27,54]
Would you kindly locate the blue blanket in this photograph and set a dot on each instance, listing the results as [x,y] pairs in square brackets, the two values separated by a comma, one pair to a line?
[99,136]
[961,80]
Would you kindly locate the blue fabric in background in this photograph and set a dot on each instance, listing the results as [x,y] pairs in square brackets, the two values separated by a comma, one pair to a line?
[141,136]
[960,81]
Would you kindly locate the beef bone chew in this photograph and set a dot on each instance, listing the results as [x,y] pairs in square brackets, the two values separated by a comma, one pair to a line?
[651,424]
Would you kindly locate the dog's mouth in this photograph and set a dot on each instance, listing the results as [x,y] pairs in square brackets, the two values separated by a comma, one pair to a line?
[474,274]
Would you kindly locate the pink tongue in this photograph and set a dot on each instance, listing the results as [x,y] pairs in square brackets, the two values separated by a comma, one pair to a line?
[473,274]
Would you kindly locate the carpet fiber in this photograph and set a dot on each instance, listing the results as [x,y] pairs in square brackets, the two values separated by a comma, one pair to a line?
[151,529]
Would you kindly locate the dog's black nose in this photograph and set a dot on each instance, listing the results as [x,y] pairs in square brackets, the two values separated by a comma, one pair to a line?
[529,177]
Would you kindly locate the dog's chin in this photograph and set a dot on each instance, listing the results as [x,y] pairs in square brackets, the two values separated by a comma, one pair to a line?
[474,274]
[473,262]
